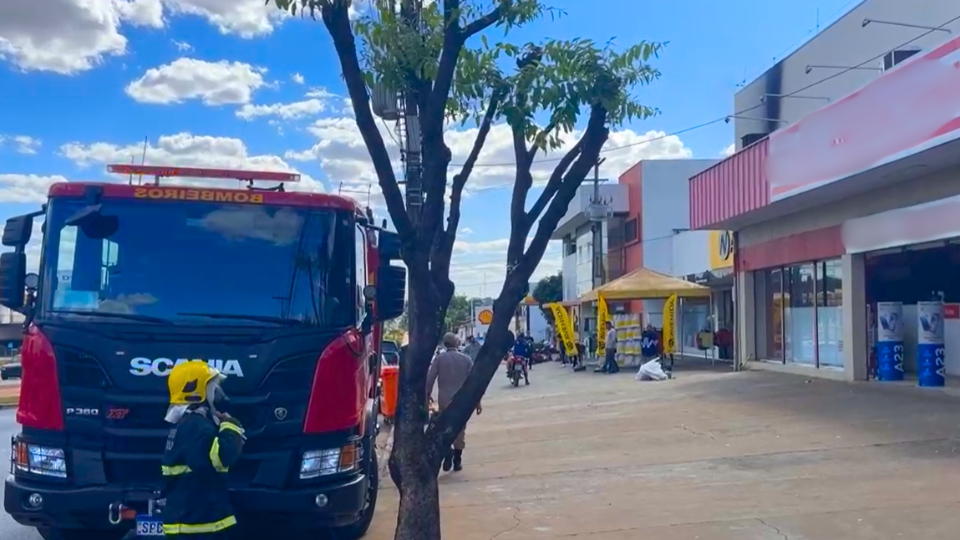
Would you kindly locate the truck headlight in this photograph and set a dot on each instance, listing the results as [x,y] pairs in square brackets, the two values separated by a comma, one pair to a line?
[39,460]
[316,463]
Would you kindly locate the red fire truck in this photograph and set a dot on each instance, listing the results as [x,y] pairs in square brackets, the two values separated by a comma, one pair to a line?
[284,292]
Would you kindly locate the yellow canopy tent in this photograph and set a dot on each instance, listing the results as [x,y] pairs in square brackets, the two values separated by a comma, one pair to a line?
[644,283]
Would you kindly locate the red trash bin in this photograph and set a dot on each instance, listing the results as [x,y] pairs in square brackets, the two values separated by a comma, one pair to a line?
[390,375]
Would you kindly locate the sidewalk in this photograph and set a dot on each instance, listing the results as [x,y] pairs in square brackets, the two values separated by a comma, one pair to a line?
[9,394]
[711,455]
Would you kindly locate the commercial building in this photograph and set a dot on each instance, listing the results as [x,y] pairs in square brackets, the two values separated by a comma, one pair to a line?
[653,232]
[583,232]
[846,196]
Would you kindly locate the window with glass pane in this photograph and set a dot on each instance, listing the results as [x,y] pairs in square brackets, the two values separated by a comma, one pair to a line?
[799,314]
[769,314]
[696,318]
[830,313]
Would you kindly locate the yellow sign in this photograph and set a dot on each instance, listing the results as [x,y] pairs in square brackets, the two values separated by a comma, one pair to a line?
[564,328]
[208,195]
[722,249]
[603,317]
[485,316]
[669,328]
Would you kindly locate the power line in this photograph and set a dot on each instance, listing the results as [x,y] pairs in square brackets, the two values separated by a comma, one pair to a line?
[722,118]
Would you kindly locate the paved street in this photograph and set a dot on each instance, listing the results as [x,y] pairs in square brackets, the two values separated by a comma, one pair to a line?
[708,456]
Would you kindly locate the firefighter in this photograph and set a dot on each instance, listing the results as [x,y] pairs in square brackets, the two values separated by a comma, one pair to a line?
[201,447]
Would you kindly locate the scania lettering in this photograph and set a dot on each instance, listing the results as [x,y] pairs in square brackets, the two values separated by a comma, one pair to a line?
[284,292]
[161,367]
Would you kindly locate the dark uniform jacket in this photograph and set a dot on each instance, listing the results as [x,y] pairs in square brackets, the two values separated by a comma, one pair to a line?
[198,455]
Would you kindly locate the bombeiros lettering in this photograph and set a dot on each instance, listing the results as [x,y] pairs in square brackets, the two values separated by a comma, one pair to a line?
[191,194]
[160,367]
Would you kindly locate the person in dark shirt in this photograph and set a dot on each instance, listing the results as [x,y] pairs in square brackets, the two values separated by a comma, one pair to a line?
[201,447]
[521,352]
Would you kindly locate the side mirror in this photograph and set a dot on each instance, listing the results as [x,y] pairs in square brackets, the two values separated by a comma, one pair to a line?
[13,279]
[390,247]
[391,292]
[16,232]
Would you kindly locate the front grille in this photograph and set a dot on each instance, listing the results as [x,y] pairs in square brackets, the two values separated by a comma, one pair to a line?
[80,370]
[291,374]
[146,472]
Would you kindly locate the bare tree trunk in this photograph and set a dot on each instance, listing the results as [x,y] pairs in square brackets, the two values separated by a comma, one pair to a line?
[415,460]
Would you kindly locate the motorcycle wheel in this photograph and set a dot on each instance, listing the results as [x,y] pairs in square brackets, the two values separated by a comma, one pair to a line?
[515,378]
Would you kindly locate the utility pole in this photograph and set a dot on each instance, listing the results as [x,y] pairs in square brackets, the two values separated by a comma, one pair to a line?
[600,215]
[410,117]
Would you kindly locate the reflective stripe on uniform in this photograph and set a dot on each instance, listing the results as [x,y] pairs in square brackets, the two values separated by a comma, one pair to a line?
[174,470]
[199,528]
[215,456]
[231,427]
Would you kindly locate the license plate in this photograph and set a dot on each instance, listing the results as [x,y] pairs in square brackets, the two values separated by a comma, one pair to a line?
[149,526]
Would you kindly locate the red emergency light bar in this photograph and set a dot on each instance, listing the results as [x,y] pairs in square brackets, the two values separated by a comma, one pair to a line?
[191,172]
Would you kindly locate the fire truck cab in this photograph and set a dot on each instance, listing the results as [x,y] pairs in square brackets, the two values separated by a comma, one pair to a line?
[283,292]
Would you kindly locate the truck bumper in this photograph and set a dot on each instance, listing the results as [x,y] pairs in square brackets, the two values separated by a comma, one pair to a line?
[88,507]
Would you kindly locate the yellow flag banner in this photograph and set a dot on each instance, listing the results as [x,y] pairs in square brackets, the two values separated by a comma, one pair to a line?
[603,317]
[669,328]
[564,328]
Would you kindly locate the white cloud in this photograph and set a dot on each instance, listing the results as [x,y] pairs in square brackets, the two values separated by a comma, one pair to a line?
[343,156]
[286,111]
[215,83]
[187,150]
[182,46]
[297,78]
[26,188]
[479,268]
[246,18]
[466,231]
[69,36]
[729,151]
[23,144]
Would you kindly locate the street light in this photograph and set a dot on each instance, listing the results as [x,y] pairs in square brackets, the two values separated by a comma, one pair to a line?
[867,22]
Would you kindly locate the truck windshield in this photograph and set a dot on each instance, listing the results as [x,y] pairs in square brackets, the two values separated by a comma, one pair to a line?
[201,263]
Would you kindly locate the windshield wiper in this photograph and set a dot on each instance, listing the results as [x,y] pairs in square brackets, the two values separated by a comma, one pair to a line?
[115,315]
[258,318]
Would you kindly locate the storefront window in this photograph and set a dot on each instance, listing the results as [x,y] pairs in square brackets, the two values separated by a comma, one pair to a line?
[829,313]
[799,314]
[769,314]
[696,318]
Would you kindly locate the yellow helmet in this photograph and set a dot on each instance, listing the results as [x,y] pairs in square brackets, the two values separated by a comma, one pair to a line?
[188,382]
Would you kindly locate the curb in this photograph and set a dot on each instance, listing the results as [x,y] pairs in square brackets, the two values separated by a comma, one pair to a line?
[9,402]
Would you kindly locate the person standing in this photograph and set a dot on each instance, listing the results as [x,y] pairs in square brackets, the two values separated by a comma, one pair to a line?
[448,372]
[610,350]
[202,445]
[472,349]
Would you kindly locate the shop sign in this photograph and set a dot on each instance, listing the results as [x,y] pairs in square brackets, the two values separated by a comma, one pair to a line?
[849,136]
[721,249]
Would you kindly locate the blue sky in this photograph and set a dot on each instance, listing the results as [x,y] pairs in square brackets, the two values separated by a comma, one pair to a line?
[230,83]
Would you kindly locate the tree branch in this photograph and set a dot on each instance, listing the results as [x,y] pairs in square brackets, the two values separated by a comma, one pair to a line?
[337,20]
[483,23]
[591,144]
[455,416]
[556,178]
[523,181]
[460,180]
[453,41]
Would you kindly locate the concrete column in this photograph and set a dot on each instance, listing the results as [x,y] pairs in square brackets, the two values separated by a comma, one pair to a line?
[746,324]
[855,347]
